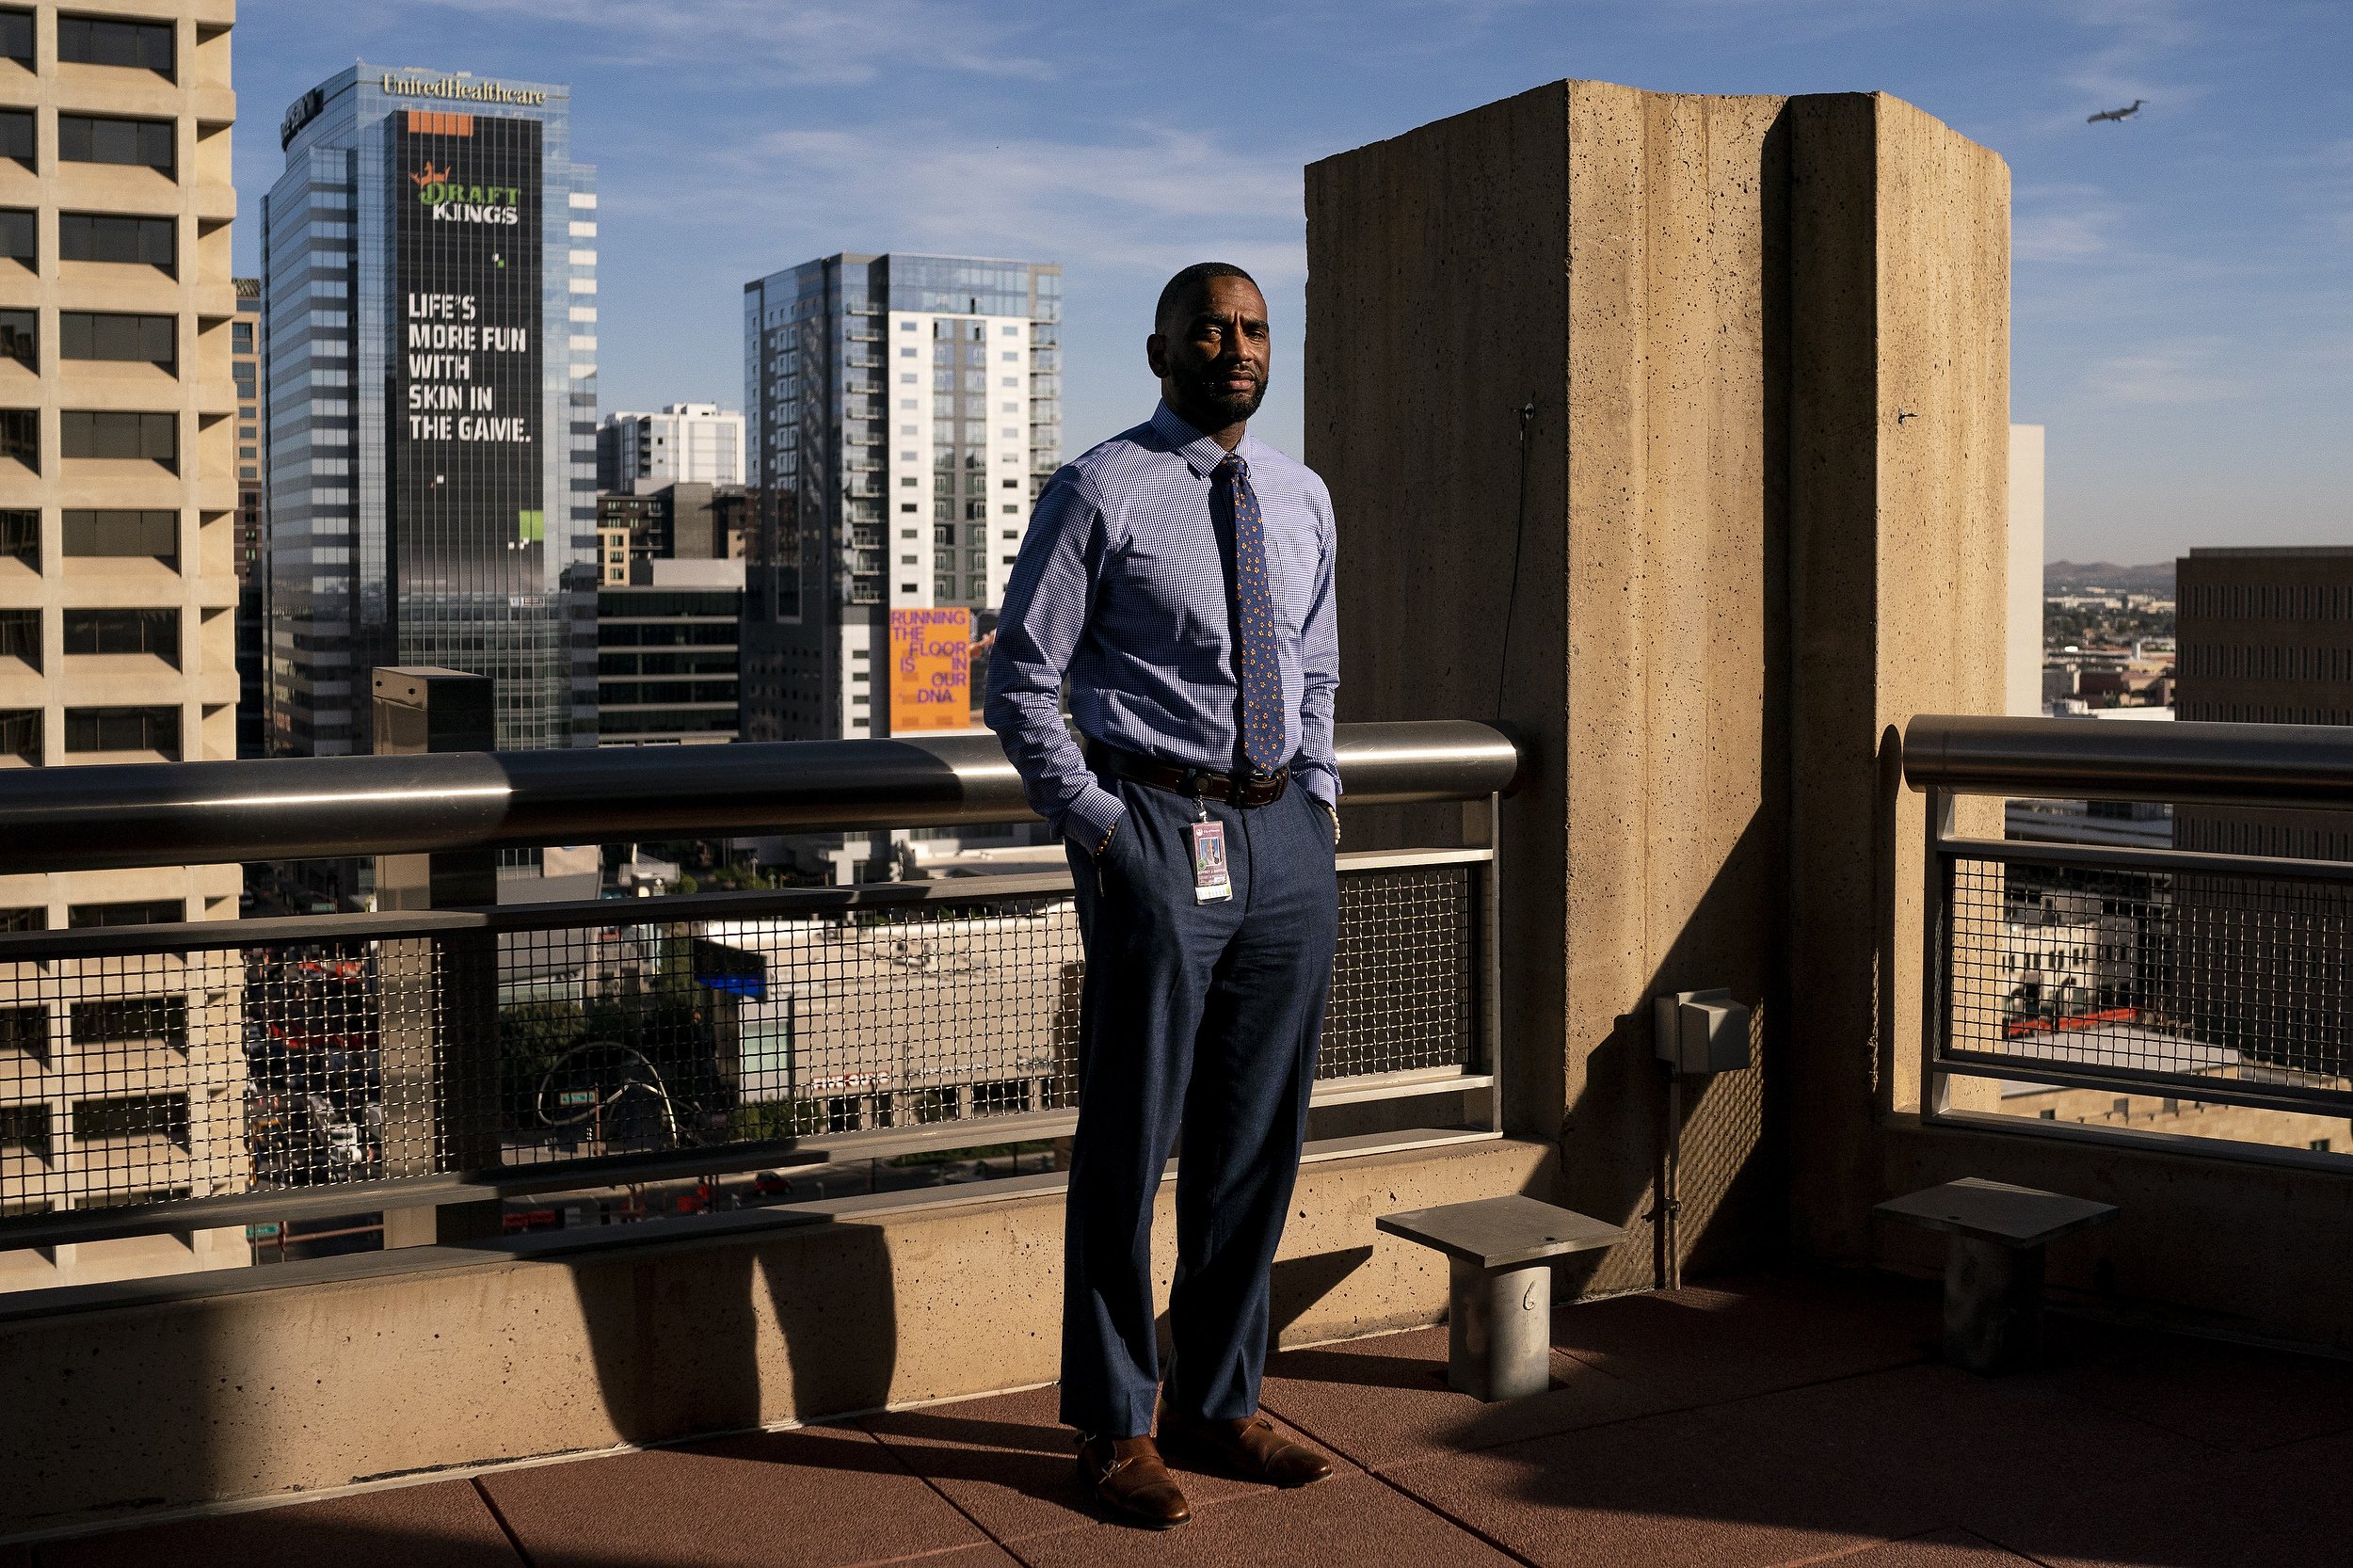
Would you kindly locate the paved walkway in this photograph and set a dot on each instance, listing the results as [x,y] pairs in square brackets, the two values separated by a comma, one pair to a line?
[1764,1422]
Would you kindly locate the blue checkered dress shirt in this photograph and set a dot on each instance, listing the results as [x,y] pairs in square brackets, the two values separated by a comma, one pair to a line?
[1121,584]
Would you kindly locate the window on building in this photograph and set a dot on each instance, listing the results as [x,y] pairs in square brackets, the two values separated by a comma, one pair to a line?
[25,1031]
[104,335]
[164,1116]
[105,434]
[20,534]
[122,1019]
[89,139]
[19,339]
[153,911]
[19,237]
[102,729]
[16,36]
[20,436]
[155,632]
[35,918]
[100,41]
[241,338]
[105,237]
[117,533]
[20,738]
[20,636]
[24,1127]
[16,137]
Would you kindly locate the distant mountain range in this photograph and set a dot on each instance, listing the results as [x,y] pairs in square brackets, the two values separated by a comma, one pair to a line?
[2060,577]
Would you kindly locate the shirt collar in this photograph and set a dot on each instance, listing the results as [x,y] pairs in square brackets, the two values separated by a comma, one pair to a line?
[1200,454]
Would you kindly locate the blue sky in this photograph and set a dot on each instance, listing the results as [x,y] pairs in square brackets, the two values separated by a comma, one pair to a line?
[2182,320]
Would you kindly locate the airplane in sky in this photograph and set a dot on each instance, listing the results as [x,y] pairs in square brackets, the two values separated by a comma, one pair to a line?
[2121,114]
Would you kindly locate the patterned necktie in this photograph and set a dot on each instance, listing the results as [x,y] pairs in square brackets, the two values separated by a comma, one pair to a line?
[1254,621]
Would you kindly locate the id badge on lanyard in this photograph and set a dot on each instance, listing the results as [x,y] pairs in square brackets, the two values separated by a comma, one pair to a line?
[1211,881]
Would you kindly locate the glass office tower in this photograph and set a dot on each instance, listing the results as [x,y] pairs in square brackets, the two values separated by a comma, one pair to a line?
[902,413]
[429,357]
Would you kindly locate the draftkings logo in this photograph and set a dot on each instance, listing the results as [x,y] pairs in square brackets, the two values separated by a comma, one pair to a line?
[452,202]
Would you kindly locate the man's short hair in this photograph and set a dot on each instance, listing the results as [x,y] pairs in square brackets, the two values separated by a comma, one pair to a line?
[1180,290]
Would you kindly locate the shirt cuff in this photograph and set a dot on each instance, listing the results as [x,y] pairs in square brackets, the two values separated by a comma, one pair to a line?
[1089,820]
[1320,782]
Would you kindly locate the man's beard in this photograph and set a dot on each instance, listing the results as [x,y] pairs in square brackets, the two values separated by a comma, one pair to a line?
[1227,408]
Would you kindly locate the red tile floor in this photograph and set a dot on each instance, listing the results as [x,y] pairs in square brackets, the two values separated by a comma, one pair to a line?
[1768,1421]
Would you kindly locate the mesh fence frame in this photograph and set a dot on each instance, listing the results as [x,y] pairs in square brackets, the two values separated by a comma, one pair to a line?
[132,1079]
[2190,978]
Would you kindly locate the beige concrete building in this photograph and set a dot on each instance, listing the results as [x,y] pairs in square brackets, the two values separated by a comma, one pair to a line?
[2022,658]
[118,591]
[2179,1114]
[2265,636]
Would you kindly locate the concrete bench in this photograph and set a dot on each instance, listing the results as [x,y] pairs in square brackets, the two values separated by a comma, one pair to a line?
[1499,1287]
[1993,1272]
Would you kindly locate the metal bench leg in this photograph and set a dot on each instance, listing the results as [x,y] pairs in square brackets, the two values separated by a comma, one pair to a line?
[1992,1306]
[1499,1330]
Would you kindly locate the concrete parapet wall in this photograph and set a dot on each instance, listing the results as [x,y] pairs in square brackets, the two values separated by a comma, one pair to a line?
[1753,518]
[299,1377]
[2235,1247]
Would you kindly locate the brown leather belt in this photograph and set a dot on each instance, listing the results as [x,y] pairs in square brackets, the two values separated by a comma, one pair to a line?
[1193,783]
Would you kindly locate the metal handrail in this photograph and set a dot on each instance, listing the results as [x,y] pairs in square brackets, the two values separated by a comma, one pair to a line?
[2259,765]
[121,815]
[2201,763]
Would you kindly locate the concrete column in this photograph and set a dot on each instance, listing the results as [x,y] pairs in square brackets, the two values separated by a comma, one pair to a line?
[1726,568]
[1898,484]
[438,997]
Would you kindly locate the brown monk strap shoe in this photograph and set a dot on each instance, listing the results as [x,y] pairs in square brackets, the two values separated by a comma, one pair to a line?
[1128,1475]
[1252,1448]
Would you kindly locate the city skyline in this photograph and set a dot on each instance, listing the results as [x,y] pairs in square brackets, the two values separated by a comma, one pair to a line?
[2181,321]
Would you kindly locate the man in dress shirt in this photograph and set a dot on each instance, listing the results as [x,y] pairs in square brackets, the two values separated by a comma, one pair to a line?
[1179,577]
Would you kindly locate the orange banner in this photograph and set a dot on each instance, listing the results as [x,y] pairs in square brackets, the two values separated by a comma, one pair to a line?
[931,670]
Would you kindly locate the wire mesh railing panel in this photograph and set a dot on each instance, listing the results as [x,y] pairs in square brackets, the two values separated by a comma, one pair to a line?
[629,1038]
[1405,982]
[143,1077]
[133,1079]
[2199,977]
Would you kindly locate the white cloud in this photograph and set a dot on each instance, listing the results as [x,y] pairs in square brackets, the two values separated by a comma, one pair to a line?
[2142,34]
[2062,223]
[831,41]
[2182,371]
[1149,198]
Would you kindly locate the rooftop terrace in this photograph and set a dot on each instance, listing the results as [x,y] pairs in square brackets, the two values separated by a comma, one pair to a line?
[1782,1420]
[1669,432]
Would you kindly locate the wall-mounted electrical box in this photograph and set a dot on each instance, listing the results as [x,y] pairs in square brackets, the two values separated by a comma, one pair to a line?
[1702,1031]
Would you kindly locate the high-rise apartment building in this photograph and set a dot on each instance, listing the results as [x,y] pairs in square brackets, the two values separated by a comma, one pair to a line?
[245,368]
[118,509]
[245,365]
[902,412]
[2265,636]
[691,443]
[429,284]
